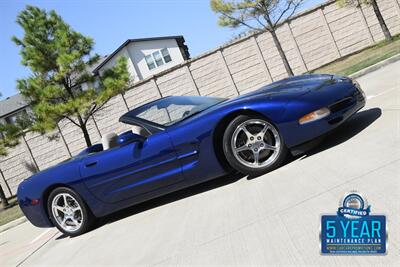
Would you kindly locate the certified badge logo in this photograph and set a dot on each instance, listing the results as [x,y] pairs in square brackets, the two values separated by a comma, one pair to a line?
[353,230]
[353,206]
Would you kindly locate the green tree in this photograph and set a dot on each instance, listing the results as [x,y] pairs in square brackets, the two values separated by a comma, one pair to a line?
[378,14]
[59,59]
[258,16]
[9,137]
[8,134]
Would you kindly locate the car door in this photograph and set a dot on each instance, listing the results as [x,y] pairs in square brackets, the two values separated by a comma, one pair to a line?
[131,170]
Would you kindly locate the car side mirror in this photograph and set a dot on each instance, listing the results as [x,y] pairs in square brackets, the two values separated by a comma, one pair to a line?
[130,137]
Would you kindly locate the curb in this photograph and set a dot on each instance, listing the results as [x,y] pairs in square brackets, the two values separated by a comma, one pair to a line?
[12,224]
[375,66]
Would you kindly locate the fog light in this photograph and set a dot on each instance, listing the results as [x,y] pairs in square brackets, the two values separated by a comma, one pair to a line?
[315,115]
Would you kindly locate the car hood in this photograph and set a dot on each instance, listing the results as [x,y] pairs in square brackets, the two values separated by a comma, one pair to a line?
[294,86]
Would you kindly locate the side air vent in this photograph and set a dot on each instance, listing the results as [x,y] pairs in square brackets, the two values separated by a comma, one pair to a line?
[342,104]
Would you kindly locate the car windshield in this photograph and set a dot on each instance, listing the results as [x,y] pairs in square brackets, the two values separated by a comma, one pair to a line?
[170,110]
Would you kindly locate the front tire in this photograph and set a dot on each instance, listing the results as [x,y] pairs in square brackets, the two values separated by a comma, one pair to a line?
[253,145]
[68,212]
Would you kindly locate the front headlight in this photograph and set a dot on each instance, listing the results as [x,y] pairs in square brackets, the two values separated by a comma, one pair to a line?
[357,85]
[315,115]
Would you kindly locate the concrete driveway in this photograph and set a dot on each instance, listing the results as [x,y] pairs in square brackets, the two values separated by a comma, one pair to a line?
[270,220]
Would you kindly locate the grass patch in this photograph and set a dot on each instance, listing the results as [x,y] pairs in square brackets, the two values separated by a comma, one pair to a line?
[367,57]
[11,213]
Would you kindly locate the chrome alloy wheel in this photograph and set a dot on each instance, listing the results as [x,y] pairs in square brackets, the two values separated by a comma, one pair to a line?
[256,143]
[67,212]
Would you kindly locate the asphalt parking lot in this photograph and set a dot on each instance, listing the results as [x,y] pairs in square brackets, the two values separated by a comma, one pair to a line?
[269,220]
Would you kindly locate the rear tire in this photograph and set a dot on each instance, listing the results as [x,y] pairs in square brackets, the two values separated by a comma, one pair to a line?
[68,212]
[253,145]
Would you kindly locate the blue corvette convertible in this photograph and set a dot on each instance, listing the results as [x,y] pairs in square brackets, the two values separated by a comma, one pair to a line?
[179,141]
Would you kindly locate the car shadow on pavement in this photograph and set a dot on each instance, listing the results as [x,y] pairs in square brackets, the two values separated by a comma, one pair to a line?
[163,200]
[169,198]
[355,125]
[175,196]
[347,130]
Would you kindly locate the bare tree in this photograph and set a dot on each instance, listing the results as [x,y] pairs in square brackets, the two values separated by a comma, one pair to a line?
[378,14]
[258,16]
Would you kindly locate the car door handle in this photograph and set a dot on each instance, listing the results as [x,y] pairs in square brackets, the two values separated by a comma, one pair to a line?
[90,164]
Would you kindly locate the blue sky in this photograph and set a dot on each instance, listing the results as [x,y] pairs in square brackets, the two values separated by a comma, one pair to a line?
[110,23]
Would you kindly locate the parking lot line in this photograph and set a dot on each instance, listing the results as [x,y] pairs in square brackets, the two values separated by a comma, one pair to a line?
[40,236]
[380,94]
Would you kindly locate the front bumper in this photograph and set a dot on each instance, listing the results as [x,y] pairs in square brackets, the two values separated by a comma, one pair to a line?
[296,135]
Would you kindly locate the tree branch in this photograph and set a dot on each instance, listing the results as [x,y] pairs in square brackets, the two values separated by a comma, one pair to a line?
[101,106]
[269,22]
[296,5]
[259,22]
[88,114]
[283,13]
[71,120]
[241,22]
[67,88]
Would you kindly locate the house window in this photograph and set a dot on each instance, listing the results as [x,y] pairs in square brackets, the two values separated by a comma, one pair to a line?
[150,62]
[158,58]
[166,56]
[18,117]
[11,119]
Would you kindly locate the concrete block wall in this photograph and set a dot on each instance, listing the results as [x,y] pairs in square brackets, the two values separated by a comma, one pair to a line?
[13,169]
[348,30]
[246,66]
[141,94]
[315,40]
[46,152]
[212,77]
[311,39]
[107,118]
[390,10]
[271,56]
[73,136]
[178,82]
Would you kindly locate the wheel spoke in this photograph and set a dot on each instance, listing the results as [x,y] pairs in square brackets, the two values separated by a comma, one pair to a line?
[65,201]
[59,208]
[269,147]
[64,221]
[264,130]
[248,134]
[74,209]
[256,157]
[242,148]
[75,221]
